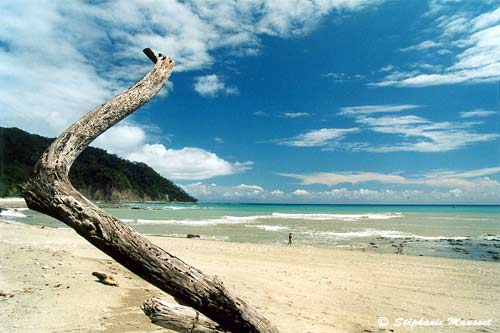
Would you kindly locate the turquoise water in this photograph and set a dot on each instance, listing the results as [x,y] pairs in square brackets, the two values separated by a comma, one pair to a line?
[469,232]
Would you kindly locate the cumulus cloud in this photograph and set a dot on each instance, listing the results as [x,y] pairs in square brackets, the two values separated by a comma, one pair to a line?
[121,139]
[415,189]
[301,192]
[212,85]
[214,192]
[253,188]
[186,163]
[59,59]
[130,141]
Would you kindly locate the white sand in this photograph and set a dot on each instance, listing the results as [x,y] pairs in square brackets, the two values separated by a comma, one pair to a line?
[300,289]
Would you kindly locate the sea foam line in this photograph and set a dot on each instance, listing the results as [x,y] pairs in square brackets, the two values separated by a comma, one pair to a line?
[341,217]
[268,227]
[12,213]
[381,233]
[252,218]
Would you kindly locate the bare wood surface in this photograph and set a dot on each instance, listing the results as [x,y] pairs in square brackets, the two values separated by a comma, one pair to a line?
[49,191]
[178,318]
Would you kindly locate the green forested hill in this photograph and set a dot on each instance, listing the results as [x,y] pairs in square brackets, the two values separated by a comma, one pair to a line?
[97,174]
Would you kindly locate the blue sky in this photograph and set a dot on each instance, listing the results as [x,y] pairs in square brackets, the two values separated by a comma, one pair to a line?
[342,101]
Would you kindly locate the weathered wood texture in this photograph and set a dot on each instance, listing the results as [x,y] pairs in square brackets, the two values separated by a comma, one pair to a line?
[178,318]
[49,191]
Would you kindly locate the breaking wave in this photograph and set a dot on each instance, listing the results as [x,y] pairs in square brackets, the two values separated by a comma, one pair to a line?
[339,217]
[380,233]
[12,213]
[253,218]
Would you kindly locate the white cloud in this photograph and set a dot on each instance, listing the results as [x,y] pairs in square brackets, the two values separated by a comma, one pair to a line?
[477,113]
[121,139]
[214,192]
[470,180]
[295,114]
[317,138]
[343,77]
[244,187]
[426,44]
[464,174]
[331,179]
[476,190]
[387,68]
[218,140]
[475,41]
[167,89]
[368,109]
[416,133]
[59,59]
[186,163]
[423,135]
[212,85]
[301,192]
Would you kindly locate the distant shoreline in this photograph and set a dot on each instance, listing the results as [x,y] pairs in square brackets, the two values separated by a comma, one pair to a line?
[17,200]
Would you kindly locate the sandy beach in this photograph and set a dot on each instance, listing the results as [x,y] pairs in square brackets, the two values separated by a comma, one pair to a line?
[47,285]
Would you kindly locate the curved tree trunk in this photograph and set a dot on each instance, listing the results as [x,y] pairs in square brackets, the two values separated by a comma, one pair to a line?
[49,191]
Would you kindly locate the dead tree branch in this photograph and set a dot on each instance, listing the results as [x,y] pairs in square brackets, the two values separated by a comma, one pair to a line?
[49,191]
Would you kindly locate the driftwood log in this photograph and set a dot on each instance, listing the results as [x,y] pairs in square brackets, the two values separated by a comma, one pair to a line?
[178,318]
[49,191]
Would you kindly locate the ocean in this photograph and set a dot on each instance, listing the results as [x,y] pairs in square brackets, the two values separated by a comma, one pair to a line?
[466,232]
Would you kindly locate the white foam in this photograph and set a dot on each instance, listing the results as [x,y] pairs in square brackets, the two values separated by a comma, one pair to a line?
[181,222]
[456,218]
[492,238]
[341,217]
[252,218]
[382,233]
[11,213]
[207,222]
[363,234]
[269,227]
[178,207]
[439,237]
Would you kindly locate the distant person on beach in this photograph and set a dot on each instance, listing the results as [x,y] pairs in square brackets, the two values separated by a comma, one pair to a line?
[289,239]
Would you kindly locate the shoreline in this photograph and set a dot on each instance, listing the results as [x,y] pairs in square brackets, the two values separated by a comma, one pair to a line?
[381,240]
[300,289]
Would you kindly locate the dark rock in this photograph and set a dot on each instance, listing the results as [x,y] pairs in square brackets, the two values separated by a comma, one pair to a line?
[460,250]
[192,236]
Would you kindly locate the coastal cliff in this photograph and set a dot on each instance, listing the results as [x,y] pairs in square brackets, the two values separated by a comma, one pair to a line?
[96,174]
